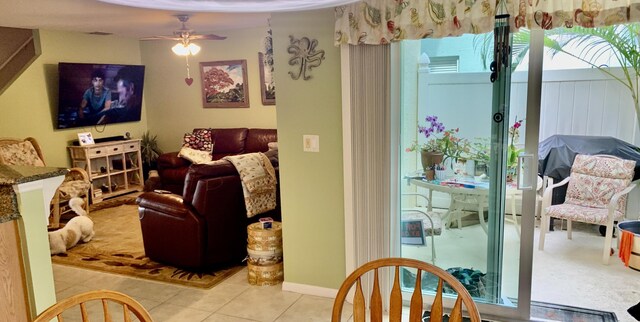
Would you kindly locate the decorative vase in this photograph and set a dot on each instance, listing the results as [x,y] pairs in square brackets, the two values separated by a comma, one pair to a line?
[429,159]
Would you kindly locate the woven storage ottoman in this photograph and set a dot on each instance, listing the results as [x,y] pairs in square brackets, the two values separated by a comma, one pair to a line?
[264,246]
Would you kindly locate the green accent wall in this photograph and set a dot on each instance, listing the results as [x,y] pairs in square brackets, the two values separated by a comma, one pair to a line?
[28,107]
[311,183]
[175,108]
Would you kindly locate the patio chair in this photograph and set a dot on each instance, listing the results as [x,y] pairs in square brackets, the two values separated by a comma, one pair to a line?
[598,186]
[370,272]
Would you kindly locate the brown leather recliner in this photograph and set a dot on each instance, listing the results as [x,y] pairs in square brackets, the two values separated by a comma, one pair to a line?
[206,227]
[232,141]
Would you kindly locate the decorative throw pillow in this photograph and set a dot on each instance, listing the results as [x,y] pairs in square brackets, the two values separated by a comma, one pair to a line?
[195,156]
[200,139]
[272,146]
[22,153]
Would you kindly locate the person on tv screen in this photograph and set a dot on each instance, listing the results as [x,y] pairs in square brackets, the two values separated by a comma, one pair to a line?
[129,104]
[95,99]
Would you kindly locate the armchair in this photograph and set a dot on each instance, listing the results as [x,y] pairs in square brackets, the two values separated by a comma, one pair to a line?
[27,152]
[598,185]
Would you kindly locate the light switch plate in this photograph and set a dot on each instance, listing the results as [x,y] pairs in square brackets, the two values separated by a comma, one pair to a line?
[311,143]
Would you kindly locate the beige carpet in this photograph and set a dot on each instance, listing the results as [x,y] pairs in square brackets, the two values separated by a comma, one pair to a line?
[117,248]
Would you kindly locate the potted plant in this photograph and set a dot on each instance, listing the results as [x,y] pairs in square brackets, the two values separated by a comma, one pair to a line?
[441,145]
[150,152]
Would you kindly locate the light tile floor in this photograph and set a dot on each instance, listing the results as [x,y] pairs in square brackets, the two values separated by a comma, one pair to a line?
[233,300]
[567,272]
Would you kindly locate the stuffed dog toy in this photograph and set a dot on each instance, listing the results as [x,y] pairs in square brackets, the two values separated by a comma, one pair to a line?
[78,228]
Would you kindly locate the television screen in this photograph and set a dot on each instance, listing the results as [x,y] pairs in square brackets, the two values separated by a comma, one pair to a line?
[98,94]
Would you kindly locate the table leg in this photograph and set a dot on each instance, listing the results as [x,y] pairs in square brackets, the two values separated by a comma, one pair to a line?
[483,223]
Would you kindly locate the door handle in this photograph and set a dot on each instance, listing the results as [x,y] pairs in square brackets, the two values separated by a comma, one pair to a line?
[526,181]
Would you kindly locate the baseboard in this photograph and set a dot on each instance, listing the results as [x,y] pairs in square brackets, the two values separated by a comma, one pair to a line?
[309,289]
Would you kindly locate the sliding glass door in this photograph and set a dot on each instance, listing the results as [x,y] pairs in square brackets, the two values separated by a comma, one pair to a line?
[463,118]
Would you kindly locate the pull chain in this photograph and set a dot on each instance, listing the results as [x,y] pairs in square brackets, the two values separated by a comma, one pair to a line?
[188,80]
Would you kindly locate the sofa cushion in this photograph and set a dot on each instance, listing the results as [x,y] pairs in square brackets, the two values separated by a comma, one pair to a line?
[258,140]
[229,142]
[22,153]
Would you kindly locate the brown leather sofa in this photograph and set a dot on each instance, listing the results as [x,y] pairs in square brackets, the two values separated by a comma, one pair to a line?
[173,169]
[203,228]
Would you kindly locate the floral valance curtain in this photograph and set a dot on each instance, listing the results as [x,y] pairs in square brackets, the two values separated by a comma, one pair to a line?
[383,21]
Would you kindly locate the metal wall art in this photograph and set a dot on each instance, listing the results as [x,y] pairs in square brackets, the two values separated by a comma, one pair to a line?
[304,53]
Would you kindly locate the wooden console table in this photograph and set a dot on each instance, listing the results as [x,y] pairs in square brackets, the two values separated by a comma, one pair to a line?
[114,168]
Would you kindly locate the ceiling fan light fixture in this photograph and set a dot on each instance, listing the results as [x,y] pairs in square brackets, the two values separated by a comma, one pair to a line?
[193,49]
[185,50]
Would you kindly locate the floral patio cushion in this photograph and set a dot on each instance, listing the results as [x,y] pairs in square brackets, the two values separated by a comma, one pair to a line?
[595,179]
[582,214]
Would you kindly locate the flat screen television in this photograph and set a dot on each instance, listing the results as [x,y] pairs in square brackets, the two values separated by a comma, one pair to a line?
[98,94]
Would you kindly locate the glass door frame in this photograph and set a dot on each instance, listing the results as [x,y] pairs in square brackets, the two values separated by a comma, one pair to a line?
[534,89]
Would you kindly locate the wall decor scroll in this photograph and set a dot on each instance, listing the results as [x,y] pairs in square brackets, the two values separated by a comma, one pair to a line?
[304,53]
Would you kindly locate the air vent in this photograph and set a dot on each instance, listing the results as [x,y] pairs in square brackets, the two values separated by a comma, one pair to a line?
[100,33]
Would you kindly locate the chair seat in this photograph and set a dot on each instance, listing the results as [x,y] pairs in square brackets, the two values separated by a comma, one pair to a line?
[73,188]
[436,230]
[582,214]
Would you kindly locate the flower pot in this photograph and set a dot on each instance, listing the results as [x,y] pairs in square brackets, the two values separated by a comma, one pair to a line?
[430,158]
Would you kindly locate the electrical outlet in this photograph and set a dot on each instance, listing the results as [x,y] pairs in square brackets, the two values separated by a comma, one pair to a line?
[311,143]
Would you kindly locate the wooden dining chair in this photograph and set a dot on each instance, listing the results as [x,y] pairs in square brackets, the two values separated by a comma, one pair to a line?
[106,297]
[395,301]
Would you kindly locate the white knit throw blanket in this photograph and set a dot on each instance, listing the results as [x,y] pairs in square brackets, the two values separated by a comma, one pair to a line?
[258,179]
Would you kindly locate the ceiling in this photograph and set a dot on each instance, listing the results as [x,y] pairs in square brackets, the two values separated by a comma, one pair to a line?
[95,16]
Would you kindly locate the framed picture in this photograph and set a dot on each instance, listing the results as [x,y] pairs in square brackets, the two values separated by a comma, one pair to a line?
[85,138]
[267,84]
[224,83]
[412,232]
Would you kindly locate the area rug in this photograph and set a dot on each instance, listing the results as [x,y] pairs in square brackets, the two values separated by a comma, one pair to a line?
[117,248]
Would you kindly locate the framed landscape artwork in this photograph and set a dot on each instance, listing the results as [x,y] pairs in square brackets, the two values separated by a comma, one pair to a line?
[224,83]
[267,85]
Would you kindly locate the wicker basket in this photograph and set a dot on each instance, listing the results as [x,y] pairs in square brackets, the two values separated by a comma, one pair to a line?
[264,257]
[265,275]
[264,239]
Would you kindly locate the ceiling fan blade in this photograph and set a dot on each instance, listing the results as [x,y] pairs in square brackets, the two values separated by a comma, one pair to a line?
[207,37]
[161,38]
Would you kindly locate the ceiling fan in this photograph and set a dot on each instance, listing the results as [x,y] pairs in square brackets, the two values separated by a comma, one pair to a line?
[184,34]
[185,47]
